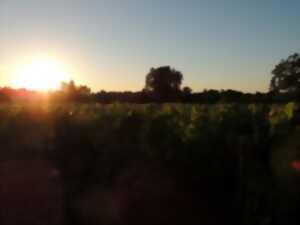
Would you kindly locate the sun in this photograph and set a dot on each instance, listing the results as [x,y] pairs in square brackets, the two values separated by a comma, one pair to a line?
[40,75]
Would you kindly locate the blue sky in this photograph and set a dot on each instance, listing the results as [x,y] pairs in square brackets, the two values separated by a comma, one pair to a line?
[112,44]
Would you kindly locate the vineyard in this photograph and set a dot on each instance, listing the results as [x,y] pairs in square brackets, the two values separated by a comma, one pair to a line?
[159,163]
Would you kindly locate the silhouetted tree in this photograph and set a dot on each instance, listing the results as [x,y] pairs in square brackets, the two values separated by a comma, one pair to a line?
[68,87]
[71,92]
[186,94]
[163,82]
[71,88]
[231,96]
[187,91]
[286,76]
[210,96]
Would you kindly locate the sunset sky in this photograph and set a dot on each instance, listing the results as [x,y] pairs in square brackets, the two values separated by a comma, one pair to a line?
[112,44]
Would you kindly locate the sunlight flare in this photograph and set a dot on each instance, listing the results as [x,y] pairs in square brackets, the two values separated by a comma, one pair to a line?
[41,74]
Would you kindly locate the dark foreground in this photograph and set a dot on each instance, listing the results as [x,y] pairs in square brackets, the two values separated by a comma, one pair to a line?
[151,164]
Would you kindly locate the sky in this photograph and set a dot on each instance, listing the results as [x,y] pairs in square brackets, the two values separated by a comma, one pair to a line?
[112,44]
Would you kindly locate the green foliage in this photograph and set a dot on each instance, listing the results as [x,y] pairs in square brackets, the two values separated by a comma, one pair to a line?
[222,152]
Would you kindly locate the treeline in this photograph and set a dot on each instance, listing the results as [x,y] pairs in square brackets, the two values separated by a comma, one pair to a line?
[81,94]
[163,84]
[207,96]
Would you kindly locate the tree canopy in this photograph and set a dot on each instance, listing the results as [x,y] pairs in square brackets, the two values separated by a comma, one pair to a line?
[286,76]
[164,82]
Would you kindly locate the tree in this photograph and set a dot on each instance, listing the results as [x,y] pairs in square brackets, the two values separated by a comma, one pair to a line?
[164,82]
[286,76]
[69,91]
[187,91]
[68,87]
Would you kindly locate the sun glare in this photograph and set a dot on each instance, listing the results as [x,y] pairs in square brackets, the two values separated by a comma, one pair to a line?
[41,75]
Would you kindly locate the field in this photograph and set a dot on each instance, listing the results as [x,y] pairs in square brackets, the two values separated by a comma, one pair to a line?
[149,164]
